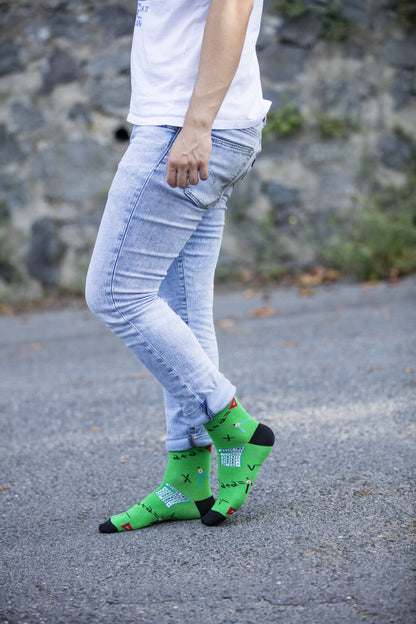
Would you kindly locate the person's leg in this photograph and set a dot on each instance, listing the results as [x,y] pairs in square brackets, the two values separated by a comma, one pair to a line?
[188,289]
[145,226]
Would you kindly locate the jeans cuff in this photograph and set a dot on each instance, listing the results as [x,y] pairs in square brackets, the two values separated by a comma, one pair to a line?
[198,438]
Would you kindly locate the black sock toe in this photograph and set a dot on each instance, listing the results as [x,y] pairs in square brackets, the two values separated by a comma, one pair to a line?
[107,527]
[212,518]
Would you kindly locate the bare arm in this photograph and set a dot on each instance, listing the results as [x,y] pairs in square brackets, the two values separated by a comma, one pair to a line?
[223,41]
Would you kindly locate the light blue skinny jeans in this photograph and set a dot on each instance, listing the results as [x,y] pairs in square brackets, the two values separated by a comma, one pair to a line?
[151,274]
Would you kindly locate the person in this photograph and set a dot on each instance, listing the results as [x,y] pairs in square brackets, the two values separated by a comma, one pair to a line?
[198,113]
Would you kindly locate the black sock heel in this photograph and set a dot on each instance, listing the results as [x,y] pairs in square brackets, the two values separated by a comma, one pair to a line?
[263,436]
[205,505]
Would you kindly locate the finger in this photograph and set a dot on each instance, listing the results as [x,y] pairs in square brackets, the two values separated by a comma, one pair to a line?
[171,177]
[193,177]
[203,172]
[182,178]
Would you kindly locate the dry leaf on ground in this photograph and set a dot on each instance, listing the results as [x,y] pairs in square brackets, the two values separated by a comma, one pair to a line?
[224,323]
[262,312]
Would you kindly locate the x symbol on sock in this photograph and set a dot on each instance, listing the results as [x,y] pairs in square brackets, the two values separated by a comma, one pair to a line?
[186,477]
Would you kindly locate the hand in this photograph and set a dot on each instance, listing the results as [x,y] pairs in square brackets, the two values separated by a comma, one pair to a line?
[189,157]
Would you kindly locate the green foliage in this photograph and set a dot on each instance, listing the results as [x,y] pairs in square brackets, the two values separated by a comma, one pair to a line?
[404,134]
[290,8]
[4,238]
[334,127]
[284,121]
[337,27]
[10,244]
[4,213]
[273,271]
[7,271]
[406,10]
[383,241]
[287,120]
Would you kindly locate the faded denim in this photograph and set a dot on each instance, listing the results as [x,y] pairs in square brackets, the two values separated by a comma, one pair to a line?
[151,274]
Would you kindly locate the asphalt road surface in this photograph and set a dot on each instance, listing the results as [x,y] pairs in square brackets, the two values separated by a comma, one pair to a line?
[327,534]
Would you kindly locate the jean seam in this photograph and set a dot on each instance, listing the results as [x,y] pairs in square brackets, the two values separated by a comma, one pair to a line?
[183,280]
[252,132]
[236,147]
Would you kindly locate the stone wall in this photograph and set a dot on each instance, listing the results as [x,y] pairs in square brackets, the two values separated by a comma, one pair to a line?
[64,90]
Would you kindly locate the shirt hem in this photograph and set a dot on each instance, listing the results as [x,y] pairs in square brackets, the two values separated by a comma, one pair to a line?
[219,124]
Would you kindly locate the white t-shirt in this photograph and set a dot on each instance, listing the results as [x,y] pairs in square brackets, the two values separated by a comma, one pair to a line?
[164,64]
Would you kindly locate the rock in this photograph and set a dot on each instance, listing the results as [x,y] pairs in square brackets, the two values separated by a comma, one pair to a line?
[236,249]
[354,48]
[10,149]
[344,98]
[281,148]
[7,272]
[113,60]
[303,31]
[76,28]
[282,98]
[323,151]
[75,171]
[115,20]
[258,212]
[62,68]
[403,87]
[400,53]
[112,96]
[357,11]
[10,58]
[245,192]
[315,3]
[281,195]
[4,211]
[293,251]
[13,195]
[285,204]
[334,192]
[26,118]
[46,251]
[282,63]
[395,150]
[79,112]
[268,31]
[4,10]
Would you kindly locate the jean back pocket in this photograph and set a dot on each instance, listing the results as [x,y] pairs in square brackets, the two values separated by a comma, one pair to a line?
[229,162]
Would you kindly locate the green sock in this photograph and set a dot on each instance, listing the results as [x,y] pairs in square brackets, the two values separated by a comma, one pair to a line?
[185,493]
[242,446]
